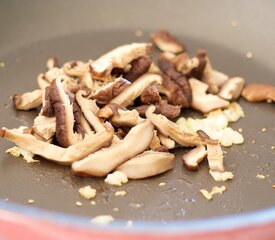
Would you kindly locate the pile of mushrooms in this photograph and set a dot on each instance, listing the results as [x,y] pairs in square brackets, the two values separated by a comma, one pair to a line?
[114,113]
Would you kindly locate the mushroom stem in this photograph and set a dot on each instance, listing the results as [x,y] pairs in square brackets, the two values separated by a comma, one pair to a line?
[28,100]
[147,164]
[170,129]
[105,160]
[58,154]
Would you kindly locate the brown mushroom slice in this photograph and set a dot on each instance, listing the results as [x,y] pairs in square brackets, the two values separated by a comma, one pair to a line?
[128,96]
[171,129]
[47,109]
[126,118]
[147,164]
[90,109]
[104,95]
[257,92]
[119,57]
[109,110]
[166,141]
[202,101]
[58,154]
[76,68]
[155,143]
[198,71]
[232,88]
[166,42]
[139,67]
[192,158]
[214,152]
[168,110]
[28,100]
[150,95]
[176,83]
[44,127]
[184,64]
[105,160]
[65,135]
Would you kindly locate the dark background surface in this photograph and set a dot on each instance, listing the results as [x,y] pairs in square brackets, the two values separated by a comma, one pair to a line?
[32,31]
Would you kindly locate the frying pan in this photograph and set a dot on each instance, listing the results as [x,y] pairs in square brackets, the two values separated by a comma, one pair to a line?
[32,31]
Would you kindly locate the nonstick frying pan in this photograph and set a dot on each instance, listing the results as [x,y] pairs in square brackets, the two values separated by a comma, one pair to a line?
[32,31]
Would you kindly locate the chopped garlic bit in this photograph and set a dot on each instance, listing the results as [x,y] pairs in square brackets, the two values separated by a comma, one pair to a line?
[102,219]
[206,194]
[263,129]
[138,33]
[2,64]
[79,204]
[115,209]
[116,178]
[30,201]
[214,190]
[162,184]
[93,203]
[216,125]
[221,176]
[17,151]
[260,176]
[120,193]
[249,55]
[87,192]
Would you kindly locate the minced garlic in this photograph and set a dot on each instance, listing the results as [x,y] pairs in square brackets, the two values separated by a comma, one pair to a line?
[17,151]
[102,219]
[87,192]
[116,178]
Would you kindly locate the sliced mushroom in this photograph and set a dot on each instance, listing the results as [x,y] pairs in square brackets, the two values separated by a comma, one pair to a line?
[109,110]
[65,135]
[166,42]
[198,71]
[42,82]
[214,152]
[76,68]
[166,141]
[105,94]
[170,129]
[232,88]
[89,109]
[53,73]
[192,158]
[184,64]
[147,164]
[202,101]
[219,78]
[86,81]
[44,127]
[47,109]
[58,154]
[176,83]
[125,118]
[28,100]
[128,96]
[52,63]
[150,95]
[257,92]
[107,159]
[119,57]
[139,67]
[155,143]
[168,110]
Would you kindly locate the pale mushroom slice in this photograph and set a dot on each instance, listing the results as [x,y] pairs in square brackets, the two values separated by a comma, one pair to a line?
[63,108]
[155,144]
[166,42]
[126,118]
[58,154]
[231,89]
[42,82]
[192,158]
[28,100]
[171,129]
[105,160]
[105,94]
[147,164]
[128,96]
[76,68]
[90,109]
[219,77]
[44,127]
[202,101]
[166,141]
[119,57]
[52,63]
[214,152]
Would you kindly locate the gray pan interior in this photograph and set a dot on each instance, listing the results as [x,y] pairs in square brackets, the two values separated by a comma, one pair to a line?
[32,31]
